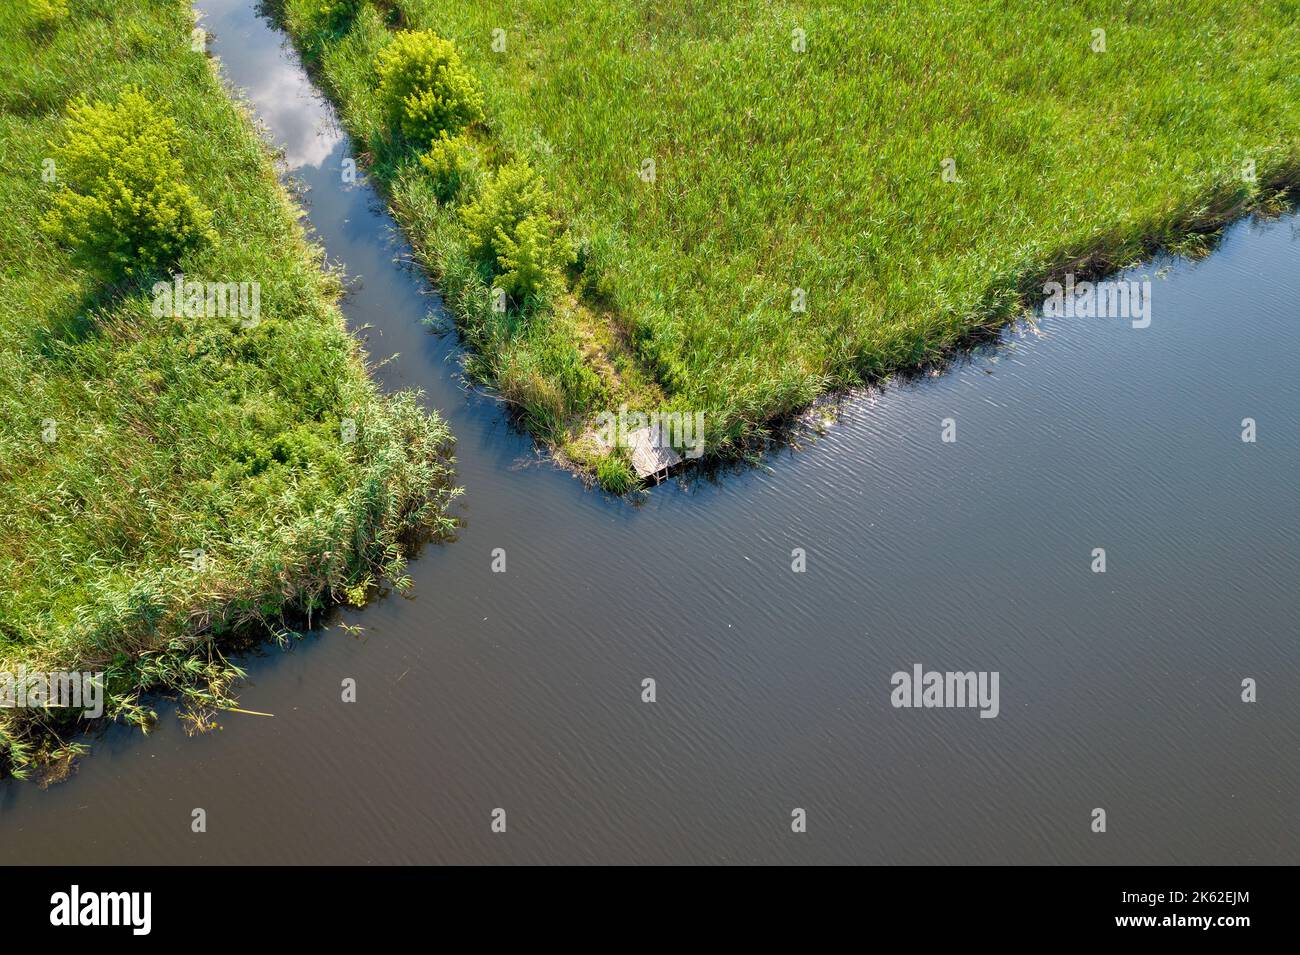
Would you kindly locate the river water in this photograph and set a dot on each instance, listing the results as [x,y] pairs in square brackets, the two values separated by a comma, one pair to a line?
[523,691]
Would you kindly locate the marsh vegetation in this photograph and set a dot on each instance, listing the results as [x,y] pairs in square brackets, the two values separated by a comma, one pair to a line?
[765,202]
[172,477]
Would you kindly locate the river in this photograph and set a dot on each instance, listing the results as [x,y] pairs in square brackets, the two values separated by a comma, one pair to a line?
[523,690]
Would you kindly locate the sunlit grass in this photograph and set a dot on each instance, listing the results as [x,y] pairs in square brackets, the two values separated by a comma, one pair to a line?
[128,442]
[821,170]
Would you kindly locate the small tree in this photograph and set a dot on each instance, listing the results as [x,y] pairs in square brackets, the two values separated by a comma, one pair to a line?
[122,201]
[531,260]
[509,226]
[451,162]
[424,88]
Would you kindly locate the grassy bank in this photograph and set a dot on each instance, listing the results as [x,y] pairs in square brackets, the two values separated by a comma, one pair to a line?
[819,169]
[171,478]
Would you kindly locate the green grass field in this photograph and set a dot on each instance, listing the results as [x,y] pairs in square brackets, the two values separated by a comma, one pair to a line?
[130,443]
[822,170]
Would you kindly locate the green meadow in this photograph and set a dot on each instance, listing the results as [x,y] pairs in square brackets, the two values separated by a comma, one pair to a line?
[176,472]
[838,191]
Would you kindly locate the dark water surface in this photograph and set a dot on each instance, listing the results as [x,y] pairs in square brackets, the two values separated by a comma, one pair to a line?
[523,690]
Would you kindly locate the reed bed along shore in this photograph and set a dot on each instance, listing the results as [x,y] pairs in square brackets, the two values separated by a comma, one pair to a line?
[192,450]
[767,201]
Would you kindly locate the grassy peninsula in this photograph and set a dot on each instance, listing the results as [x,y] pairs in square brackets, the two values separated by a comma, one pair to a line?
[760,202]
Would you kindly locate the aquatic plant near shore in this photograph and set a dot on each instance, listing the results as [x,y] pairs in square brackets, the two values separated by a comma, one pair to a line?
[615,474]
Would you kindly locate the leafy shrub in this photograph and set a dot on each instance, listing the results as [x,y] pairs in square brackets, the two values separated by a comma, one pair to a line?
[452,162]
[509,227]
[513,194]
[122,201]
[424,88]
[532,258]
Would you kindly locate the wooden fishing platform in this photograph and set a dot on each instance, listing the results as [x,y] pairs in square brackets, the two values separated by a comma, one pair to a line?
[651,457]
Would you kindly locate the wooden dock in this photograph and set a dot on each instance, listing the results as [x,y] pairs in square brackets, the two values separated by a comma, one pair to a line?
[651,456]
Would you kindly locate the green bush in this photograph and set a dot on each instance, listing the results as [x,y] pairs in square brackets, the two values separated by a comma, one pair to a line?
[122,201]
[513,194]
[452,162]
[509,227]
[532,258]
[424,88]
